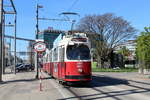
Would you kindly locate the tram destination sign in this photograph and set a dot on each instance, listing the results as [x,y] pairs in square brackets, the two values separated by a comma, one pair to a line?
[40,46]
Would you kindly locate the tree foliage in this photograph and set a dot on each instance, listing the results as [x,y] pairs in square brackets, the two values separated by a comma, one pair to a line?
[111,31]
[125,52]
[143,48]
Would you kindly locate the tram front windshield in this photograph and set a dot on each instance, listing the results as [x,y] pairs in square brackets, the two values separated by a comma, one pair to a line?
[78,52]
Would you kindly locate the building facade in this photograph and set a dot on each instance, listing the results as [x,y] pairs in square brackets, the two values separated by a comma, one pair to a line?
[131,46]
[49,36]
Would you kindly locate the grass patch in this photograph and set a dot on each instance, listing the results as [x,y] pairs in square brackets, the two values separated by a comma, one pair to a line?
[94,64]
[127,69]
[114,70]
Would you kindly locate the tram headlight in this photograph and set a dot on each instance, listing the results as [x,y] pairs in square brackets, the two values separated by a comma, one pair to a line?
[80,66]
[80,70]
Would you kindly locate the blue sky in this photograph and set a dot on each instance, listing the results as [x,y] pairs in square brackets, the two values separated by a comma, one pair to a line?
[134,11]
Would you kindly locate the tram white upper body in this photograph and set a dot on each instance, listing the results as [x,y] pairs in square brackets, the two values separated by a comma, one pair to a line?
[65,40]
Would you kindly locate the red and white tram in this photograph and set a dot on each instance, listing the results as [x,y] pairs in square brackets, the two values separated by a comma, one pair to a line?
[69,60]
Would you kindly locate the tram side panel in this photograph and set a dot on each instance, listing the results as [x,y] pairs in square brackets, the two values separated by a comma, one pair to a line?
[51,68]
[48,67]
[59,71]
[63,70]
[61,65]
[55,69]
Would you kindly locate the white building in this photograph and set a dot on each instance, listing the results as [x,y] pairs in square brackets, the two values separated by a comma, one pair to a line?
[131,46]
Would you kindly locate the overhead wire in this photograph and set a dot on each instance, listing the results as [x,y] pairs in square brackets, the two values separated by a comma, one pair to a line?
[73,4]
[70,8]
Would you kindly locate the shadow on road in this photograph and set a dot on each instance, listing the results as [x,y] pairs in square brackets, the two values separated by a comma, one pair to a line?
[24,80]
[107,81]
[19,80]
[24,71]
[104,81]
[98,81]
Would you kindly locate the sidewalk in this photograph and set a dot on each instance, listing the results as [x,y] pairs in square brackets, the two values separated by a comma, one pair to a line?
[23,86]
[8,75]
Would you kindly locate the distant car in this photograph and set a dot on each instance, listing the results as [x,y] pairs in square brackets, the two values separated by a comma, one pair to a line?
[18,65]
[29,67]
[20,68]
[24,67]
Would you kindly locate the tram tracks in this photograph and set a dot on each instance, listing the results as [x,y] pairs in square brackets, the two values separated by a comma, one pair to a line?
[105,87]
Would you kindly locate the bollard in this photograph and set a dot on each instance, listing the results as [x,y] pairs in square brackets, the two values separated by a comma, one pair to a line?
[40,80]
[40,84]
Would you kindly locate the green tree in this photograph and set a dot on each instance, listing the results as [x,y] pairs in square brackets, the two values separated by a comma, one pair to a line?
[143,49]
[111,30]
[125,52]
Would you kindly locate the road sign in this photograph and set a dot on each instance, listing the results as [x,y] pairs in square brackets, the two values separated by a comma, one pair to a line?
[39,46]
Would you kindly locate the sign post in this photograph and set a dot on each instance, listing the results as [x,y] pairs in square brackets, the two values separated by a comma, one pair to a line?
[39,47]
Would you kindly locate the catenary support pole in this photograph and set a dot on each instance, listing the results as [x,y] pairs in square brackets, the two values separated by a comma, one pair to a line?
[3,45]
[1,15]
[37,31]
[1,20]
[15,33]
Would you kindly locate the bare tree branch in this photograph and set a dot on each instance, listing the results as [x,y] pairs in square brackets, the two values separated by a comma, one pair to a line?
[110,29]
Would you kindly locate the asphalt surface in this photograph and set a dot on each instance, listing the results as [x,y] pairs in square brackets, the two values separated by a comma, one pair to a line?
[104,86]
[114,86]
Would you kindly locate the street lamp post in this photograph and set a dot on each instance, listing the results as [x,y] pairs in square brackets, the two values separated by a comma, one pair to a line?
[37,31]
[1,15]
[15,33]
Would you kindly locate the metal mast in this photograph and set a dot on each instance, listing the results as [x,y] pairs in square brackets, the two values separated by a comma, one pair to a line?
[1,40]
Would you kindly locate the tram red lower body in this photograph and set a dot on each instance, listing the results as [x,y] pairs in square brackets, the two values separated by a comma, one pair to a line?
[69,71]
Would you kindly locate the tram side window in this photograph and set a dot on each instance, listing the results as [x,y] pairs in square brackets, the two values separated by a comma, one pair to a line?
[61,54]
[50,56]
[55,54]
[47,58]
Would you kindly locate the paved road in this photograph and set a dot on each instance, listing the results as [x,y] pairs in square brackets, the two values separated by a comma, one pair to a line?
[114,86]
[105,86]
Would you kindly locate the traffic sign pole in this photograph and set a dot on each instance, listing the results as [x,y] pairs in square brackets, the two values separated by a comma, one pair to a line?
[36,65]
[39,47]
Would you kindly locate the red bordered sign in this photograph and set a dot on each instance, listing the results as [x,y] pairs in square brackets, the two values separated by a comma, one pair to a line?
[39,46]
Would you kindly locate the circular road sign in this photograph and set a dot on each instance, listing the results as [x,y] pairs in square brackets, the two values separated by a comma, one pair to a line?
[40,46]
